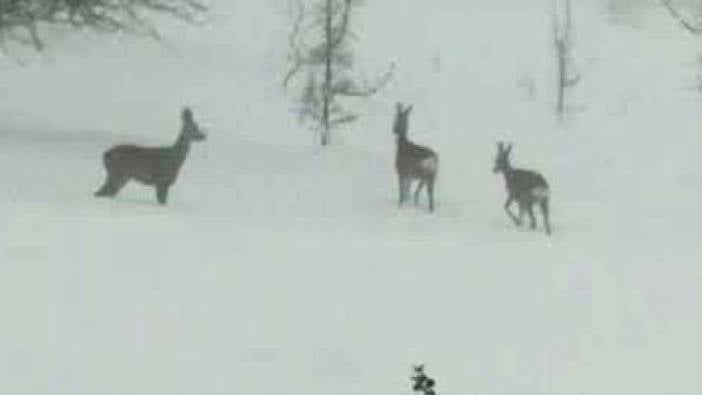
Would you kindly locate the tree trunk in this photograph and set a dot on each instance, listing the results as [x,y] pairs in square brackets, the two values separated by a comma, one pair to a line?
[326,125]
[561,59]
[563,42]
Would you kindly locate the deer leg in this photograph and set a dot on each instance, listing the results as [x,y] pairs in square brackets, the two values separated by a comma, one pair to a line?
[106,189]
[400,190]
[532,219]
[430,193]
[522,209]
[422,182]
[162,193]
[508,203]
[544,211]
[407,193]
[112,185]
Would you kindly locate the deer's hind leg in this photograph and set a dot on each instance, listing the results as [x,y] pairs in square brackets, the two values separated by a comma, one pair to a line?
[112,185]
[430,192]
[422,183]
[532,218]
[545,212]
[522,209]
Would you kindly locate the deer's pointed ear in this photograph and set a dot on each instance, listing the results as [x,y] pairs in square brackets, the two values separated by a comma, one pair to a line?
[409,109]
[509,148]
[500,146]
[399,107]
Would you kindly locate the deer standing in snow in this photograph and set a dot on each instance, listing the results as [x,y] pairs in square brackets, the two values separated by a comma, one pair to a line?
[155,166]
[526,187]
[412,161]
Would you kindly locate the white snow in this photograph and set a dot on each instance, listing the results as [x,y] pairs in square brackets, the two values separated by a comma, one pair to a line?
[281,268]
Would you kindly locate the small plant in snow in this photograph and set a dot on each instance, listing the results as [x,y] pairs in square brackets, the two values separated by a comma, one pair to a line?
[421,382]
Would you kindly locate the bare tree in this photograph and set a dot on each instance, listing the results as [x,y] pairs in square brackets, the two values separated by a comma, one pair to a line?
[567,74]
[30,22]
[322,64]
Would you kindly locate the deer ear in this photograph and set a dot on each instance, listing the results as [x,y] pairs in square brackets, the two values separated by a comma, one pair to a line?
[409,109]
[399,107]
[509,148]
[500,146]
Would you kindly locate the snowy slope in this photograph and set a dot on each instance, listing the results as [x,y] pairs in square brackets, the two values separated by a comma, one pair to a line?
[282,268]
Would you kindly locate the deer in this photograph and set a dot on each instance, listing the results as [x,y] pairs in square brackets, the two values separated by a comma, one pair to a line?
[525,187]
[154,166]
[413,162]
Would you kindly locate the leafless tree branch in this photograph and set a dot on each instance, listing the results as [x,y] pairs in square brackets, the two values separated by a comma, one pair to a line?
[296,53]
[680,19]
[22,21]
[354,91]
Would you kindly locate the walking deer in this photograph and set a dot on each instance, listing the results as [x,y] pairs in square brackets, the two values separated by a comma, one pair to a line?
[526,187]
[413,162]
[155,166]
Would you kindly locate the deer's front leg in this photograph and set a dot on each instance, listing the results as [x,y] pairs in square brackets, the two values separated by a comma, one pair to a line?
[405,184]
[421,184]
[508,203]
[162,193]
[522,209]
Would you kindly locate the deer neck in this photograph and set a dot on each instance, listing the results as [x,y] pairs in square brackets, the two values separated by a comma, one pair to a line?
[508,173]
[402,141]
[181,148]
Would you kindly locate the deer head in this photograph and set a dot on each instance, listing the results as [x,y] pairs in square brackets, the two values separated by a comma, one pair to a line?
[402,120]
[191,130]
[502,163]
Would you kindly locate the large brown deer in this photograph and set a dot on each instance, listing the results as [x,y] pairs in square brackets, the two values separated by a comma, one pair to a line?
[525,187]
[155,166]
[412,161]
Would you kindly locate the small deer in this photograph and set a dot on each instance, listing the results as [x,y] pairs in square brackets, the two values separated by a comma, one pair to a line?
[412,161]
[156,166]
[526,187]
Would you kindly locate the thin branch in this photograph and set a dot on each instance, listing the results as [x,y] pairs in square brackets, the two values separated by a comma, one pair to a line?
[344,120]
[297,57]
[344,27]
[680,19]
[572,81]
[350,91]
[22,22]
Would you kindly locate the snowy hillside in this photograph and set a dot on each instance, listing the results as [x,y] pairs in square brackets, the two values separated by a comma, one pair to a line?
[282,268]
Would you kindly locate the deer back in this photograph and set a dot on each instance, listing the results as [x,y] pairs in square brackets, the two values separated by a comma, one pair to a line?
[526,184]
[154,165]
[414,160]
[147,164]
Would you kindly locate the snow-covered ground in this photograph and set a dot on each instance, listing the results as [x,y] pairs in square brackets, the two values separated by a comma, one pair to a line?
[280,268]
